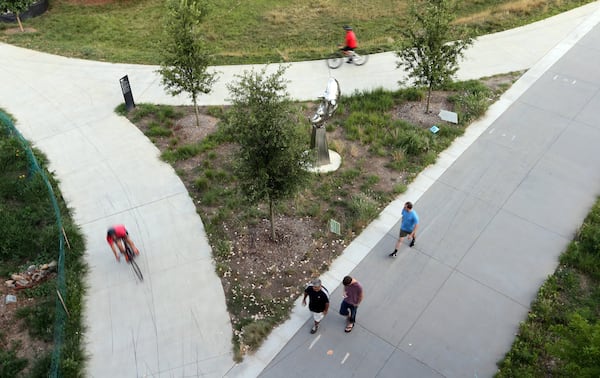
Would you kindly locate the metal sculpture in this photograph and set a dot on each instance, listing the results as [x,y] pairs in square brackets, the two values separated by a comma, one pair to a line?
[328,104]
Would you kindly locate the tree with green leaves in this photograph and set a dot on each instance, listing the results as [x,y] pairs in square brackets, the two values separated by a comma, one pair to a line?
[185,56]
[271,159]
[431,44]
[16,7]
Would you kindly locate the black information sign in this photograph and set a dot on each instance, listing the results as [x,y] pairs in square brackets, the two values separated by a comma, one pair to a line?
[129,104]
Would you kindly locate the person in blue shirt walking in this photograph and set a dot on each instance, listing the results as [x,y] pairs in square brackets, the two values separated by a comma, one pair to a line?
[408,227]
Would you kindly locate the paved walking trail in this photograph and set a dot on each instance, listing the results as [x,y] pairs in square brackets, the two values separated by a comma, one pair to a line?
[497,209]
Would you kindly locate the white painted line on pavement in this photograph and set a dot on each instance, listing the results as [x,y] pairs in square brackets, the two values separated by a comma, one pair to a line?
[345,358]
[314,342]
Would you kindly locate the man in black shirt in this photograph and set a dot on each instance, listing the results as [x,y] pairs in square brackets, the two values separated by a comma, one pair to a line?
[318,302]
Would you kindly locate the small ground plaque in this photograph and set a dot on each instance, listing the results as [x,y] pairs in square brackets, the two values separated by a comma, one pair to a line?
[334,227]
[448,116]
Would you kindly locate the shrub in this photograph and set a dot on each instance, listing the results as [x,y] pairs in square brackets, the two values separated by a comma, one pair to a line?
[362,209]
[187,151]
[400,188]
[166,113]
[472,99]
[10,364]
[156,130]
[350,174]
[413,143]
[410,94]
[201,183]
[141,111]
[366,127]
[211,197]
[578,347]
[376,101]
[585,251]
[371,180]
[39,319]
[255,333]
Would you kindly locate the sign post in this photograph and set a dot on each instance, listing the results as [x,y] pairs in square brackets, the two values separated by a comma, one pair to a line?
[126,88]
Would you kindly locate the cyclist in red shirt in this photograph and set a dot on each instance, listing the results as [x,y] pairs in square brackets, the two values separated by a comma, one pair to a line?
[350,43]
[115,236]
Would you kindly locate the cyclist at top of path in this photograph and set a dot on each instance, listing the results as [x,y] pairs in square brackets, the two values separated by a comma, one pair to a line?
[350,42]
[115,236]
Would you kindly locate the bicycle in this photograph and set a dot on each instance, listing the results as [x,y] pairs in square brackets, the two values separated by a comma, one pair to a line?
[337,58]
[131,260]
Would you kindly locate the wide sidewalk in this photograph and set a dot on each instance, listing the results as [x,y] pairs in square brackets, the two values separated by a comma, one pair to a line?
[176,323]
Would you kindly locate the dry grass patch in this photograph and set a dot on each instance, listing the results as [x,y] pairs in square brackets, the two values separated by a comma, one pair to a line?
[507,11]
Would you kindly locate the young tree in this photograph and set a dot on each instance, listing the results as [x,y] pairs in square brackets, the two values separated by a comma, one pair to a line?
[16,7]
[271,159]
[184,55]
[432,46]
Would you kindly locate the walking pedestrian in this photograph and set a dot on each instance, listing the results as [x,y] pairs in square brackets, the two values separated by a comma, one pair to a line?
[318,302]
[408,227]
[353,295]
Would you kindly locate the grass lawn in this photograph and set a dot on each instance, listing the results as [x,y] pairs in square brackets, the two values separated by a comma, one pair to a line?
[257,31]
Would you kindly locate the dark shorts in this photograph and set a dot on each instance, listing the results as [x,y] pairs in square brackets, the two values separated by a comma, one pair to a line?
[346,309]
[403,233]
[113,234]
[346,48]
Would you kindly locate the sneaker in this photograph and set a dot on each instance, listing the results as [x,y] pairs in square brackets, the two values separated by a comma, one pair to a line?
[349,61]
[314,329]
[393,254]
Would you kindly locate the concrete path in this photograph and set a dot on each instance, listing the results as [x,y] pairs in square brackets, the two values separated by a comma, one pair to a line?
[176,323]
[173,324]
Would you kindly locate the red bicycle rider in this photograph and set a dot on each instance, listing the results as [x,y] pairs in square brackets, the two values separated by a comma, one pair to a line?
[115,236]
[350,43]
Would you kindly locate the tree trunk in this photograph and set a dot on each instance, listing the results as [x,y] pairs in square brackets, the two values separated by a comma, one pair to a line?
[428,98]
[19,21]
[196,111]
[272,216]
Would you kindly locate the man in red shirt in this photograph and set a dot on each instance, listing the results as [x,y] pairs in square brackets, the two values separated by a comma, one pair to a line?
[115,235]
[350,43]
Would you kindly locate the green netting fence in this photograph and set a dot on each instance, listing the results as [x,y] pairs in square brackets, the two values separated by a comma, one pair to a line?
[60,312]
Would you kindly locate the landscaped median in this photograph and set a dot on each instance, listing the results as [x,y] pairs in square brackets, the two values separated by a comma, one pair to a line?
[384,140]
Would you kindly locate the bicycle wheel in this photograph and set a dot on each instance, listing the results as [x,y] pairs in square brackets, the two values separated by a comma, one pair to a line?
[359,60]
[136,269]
[134,265]
[335,60]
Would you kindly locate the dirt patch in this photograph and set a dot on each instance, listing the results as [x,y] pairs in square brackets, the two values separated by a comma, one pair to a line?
[13,330]
[91,2]
[17,30]
[415,111]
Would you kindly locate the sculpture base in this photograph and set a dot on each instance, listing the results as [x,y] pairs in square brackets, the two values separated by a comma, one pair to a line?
[335,162]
